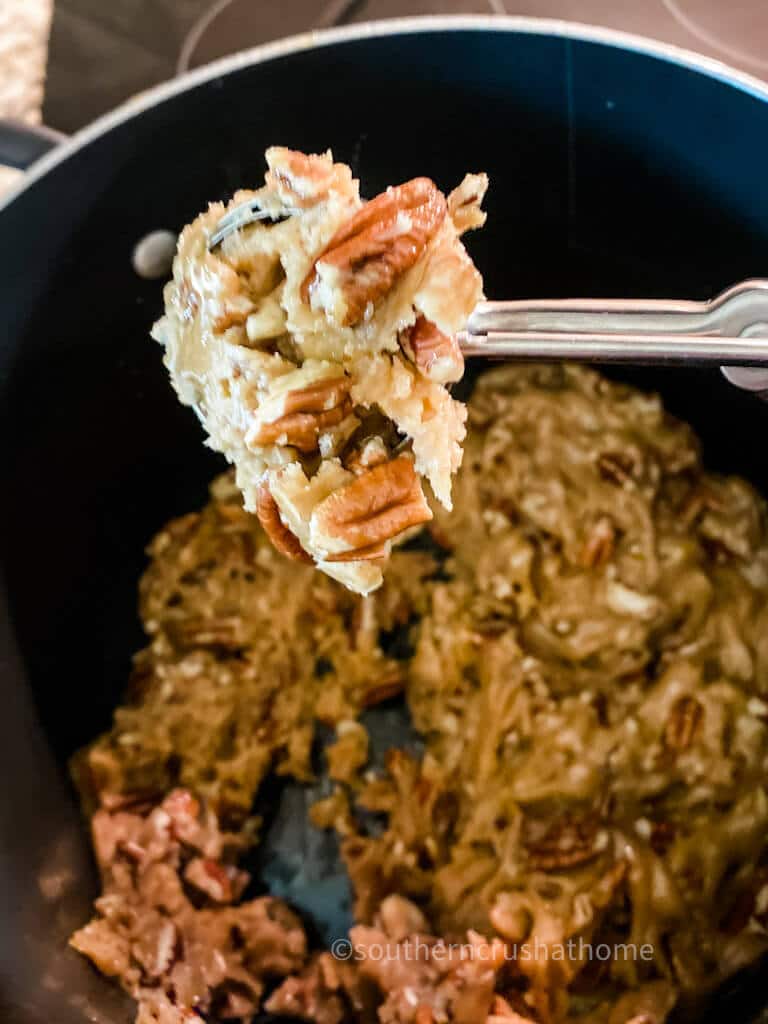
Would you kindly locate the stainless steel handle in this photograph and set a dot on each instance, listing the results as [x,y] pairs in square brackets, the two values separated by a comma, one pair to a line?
[732,328]
[617,348]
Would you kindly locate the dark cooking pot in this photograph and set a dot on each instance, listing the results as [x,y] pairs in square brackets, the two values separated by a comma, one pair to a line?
[618,167]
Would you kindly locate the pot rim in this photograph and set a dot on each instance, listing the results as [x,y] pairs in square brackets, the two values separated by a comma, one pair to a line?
[318,38]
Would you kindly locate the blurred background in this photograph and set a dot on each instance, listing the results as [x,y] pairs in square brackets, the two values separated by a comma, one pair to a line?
[67,61]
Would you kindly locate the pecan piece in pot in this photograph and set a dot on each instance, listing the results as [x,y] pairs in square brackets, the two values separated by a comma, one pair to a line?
[662,836]
[389,684]
[307,413]
[372,509]
[599,544]
[367,255]
[617,468]
[567,843]
[683,724]
[282,539]
[437,355]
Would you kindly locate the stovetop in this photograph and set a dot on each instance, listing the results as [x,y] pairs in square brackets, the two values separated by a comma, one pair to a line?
[101,54]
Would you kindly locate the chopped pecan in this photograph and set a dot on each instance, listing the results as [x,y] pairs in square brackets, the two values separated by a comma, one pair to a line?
[211,878]
[437,355]
[683,723]
[183,809]
[567,843]
[617,467]
[598,546]
[464,203]
[364,454]
[374,507]
[389,684]
[303,179]
[235,312]
[750,905]
[307,413]
[282,539]
[365,257]
[700,499]
[155,947]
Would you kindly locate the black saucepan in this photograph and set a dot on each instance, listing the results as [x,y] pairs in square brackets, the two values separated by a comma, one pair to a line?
[617,168]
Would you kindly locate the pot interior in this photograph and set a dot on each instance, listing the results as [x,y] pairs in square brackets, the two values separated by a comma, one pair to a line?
[612,173]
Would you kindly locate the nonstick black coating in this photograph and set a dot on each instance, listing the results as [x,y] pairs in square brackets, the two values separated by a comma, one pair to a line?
[613,172]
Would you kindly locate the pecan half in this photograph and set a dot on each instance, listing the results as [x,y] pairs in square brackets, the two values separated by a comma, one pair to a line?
[365,257]
[307,414]
[373,508]
[437,355]
[683,724]
[282,539]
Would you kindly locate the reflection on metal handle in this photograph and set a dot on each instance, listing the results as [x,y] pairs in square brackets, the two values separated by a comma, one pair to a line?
[640,349]
[728,329]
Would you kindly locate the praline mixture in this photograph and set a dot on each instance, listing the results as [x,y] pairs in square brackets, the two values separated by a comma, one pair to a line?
[583,647]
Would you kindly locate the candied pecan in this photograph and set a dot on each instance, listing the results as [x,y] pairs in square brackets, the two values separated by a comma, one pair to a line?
[197,631]
[307,413]
[598,547]
[567,843]
[683,723]
[383,240]
[437,355]
[374,507]
[183,810]
[282,539]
